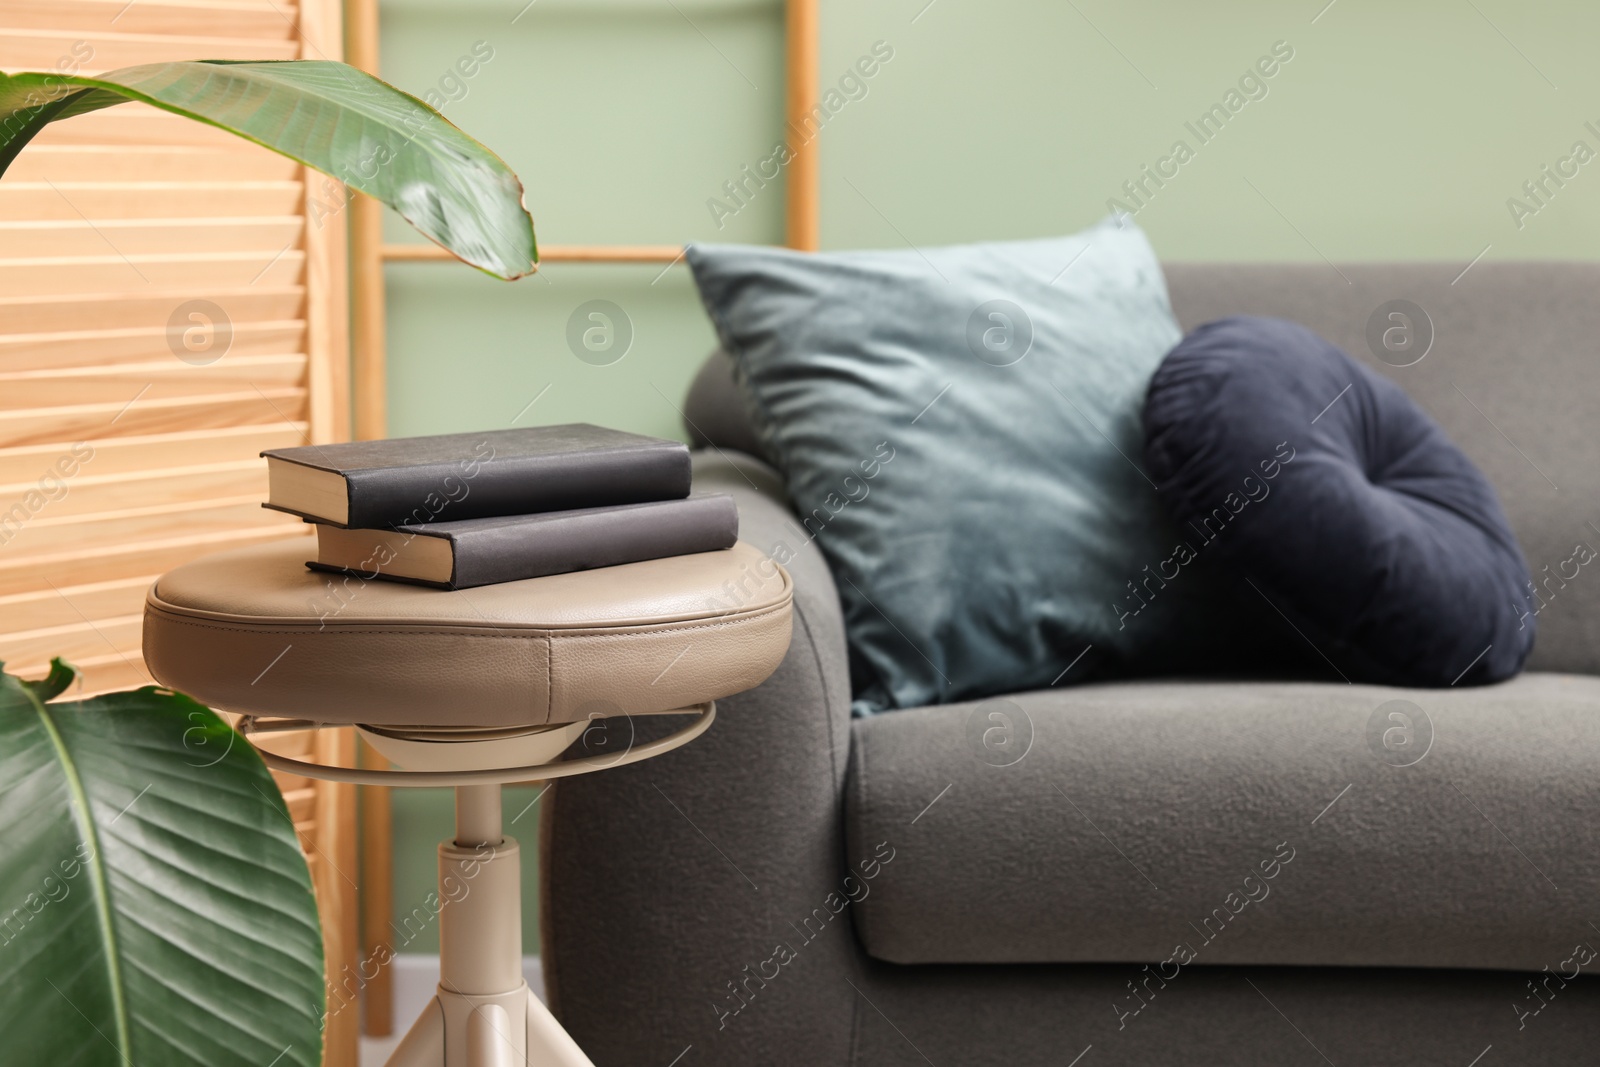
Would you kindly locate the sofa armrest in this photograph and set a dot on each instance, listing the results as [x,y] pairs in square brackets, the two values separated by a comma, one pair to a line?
[668,885]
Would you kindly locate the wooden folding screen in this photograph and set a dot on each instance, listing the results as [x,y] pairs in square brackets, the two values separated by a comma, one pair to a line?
[172,301]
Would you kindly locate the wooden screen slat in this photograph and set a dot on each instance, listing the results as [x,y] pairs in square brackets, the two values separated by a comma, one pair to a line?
[73,641]
[90,497]
[66,605]
[139,344]
[146,200]
[20,49]
[138,237]
[58,275]
[153,452]
[261,19]
[115,383]
[302,803]
[155,553]
[44,537]
[74,312]
[165,163]
[139,416]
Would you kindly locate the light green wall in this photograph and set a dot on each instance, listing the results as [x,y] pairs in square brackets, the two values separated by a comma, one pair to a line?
[1397,131]
[621,120]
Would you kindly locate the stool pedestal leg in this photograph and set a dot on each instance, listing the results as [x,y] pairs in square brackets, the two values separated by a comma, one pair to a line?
[548,1044]
[423,1045]
[483,1014]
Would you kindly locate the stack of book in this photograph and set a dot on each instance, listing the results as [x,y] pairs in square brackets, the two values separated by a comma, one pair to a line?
[463,510]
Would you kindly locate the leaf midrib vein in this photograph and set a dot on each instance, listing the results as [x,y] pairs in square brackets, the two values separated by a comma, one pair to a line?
[96,864]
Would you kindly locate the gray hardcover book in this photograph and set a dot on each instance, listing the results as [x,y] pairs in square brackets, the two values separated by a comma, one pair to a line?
[509,548]
[473,475]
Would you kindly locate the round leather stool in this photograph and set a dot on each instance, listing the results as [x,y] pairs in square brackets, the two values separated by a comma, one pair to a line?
[470,688]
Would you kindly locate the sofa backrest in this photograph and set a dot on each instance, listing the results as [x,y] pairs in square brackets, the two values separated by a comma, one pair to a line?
[1510,367]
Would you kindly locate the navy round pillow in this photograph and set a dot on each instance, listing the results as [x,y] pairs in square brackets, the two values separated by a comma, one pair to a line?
[1289,464]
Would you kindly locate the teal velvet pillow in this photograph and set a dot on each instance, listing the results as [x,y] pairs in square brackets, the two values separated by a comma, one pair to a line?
[959,429]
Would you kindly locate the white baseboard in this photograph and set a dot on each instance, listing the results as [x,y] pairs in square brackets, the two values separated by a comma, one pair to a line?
[415,978]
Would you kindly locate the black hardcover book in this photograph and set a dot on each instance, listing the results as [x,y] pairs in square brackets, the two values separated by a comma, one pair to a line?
[473,475]
[509,548]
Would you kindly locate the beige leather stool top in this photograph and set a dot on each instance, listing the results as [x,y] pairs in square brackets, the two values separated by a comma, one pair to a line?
[254,631]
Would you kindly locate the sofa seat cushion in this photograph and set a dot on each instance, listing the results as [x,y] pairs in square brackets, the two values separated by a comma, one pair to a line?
[1172,823]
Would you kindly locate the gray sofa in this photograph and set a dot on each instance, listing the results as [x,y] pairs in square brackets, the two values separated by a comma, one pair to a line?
[1176,872]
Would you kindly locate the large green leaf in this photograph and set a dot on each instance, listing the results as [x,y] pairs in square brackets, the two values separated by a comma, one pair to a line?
[330,116]
[155,907]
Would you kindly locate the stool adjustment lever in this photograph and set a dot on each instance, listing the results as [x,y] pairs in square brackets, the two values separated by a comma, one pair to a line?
[472,758]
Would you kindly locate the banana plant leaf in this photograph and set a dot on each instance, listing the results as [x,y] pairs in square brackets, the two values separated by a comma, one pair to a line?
[330,116]
[155,906]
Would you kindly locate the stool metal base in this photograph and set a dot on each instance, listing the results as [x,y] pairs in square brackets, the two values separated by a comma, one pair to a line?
[489,1030]
[483,1014]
